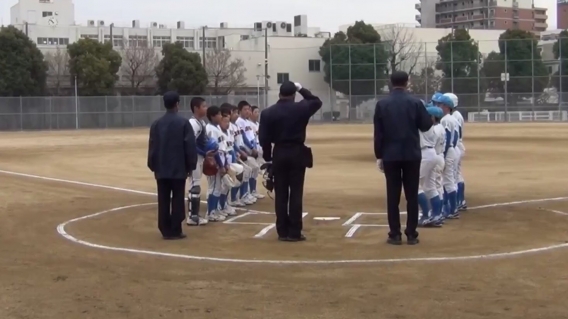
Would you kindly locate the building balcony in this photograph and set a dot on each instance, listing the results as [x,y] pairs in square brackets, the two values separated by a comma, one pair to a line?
[460,8]
[418,18]
[541,25]
[418,6]
[540,16]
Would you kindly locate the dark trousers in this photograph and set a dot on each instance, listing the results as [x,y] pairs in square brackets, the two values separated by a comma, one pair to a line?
[289,173]
[171,206]
[399,175]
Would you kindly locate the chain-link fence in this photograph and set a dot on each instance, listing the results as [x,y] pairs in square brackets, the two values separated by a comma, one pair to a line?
[517,75]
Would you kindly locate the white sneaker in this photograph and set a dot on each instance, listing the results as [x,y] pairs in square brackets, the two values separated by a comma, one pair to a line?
[196,221]
[247,200]
[231,211]
[215,217]
[223,213]
[257,195]
[252,198]
[237,203]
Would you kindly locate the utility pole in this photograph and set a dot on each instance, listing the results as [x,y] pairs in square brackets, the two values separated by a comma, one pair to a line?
[266,67]
[203,43]
[111,37]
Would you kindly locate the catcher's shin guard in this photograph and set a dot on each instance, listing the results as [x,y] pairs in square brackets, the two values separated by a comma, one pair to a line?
[194,201]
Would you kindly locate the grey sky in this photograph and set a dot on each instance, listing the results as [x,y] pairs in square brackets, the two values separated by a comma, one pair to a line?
[327,14]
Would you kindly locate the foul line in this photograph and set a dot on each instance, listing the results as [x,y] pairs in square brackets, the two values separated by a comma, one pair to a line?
[61,231]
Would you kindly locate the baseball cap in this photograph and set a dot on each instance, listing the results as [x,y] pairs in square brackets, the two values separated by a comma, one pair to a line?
[170,99]
[288,88]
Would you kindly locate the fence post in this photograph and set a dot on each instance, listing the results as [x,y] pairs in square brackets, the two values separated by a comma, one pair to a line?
[106,111]
[50,110]
[21,114]
[132,112]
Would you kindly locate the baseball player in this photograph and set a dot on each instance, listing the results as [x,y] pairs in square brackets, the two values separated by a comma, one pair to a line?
[462,205]
[199,110]
[242,157]
[215,187]
[427,191]
[451,127]
[224,208]
[255,116]
[250,147]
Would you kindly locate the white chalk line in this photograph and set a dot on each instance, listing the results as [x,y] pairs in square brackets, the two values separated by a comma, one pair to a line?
[127,190]
[61,231]
[556,212]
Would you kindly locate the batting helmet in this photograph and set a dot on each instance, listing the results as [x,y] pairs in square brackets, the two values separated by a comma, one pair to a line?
[435,111]
[453,97]
[211,145]
[436,97]
[447,101]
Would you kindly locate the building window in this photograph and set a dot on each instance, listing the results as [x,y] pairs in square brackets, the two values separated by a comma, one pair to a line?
[137,41]
[118,40]
[245,37]
[187,42]
[314,65]
[90,36]
[210,43]
[47,14]
[282,77]
[53,41]
[160,41]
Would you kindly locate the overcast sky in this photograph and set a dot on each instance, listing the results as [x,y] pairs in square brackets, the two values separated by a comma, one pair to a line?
[327,14]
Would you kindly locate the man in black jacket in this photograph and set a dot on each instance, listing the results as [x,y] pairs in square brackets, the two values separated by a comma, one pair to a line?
[172,156]
[284,125]
[397,120]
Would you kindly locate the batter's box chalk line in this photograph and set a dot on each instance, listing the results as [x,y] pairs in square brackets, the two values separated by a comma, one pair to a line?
[61,230]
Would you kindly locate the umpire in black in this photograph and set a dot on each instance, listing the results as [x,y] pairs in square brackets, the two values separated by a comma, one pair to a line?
[172,156]
[284,125]
[397,120]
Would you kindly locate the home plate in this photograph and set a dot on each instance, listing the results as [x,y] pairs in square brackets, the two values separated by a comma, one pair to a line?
[327,218]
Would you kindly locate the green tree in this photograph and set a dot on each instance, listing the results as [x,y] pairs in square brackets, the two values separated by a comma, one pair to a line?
[458,59]
[527,72]
[180,70]
[355,61]
[493,67]
[23,71]
[560,50]
[95,65]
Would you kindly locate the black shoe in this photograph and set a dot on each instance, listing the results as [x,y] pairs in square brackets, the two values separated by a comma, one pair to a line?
[396,240]
[180,236]
[412,240]
[296,239]
[283,238]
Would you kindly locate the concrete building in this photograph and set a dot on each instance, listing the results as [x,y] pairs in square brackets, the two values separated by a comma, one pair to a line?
[562,14]
[482,14]
[292,47]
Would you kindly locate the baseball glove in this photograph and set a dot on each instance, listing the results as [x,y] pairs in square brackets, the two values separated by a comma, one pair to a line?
[209,166]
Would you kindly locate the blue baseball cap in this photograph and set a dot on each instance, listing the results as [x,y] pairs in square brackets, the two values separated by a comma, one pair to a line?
[436,97]
[435,111]
[447,101]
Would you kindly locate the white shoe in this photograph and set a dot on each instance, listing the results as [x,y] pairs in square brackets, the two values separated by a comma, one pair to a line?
[231,211]
[257,195]
[252,198]
[196,221]
[215,216]
[247,200]
[237,203]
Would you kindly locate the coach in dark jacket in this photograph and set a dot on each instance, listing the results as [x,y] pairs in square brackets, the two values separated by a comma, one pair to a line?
[398,118]
[172,156]
[284,125]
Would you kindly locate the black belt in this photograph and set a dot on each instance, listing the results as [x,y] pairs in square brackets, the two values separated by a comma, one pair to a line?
[426,147]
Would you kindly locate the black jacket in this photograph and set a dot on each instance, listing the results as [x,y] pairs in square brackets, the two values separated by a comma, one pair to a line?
[171,151]
[398,118]
[285,122]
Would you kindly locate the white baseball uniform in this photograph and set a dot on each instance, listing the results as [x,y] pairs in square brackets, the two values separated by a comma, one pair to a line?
[248,136]
[460,147]
[440,132]
[198,126]
[451,128]
[214,184]
[428,164]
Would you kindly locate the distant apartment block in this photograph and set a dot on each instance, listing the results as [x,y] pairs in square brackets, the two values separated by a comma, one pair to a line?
[483,14]
[562,14]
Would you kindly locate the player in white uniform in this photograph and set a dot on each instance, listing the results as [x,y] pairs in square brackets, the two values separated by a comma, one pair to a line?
[451,127]
[241,156]
[199,110]
[428,192]
[225,208]
[215,186]
[462,205]
[440,147]
[247,133]
[255,116]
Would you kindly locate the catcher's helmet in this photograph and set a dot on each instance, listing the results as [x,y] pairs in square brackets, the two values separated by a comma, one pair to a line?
[211,145]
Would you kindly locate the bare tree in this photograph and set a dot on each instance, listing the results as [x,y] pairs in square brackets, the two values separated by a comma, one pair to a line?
[225,74]
[403,49]
[139,61]
[58,68]
[427,81]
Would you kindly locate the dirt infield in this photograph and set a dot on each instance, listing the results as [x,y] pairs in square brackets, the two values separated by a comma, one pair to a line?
[44,275]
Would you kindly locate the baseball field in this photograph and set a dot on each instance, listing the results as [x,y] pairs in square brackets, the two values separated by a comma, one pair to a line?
[79,238]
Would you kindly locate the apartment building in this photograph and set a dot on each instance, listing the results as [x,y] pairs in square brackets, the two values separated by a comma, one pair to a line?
[482,14]
[562,14]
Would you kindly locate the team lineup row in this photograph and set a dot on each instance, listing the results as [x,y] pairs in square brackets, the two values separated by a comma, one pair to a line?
[441,193]
[229,155]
